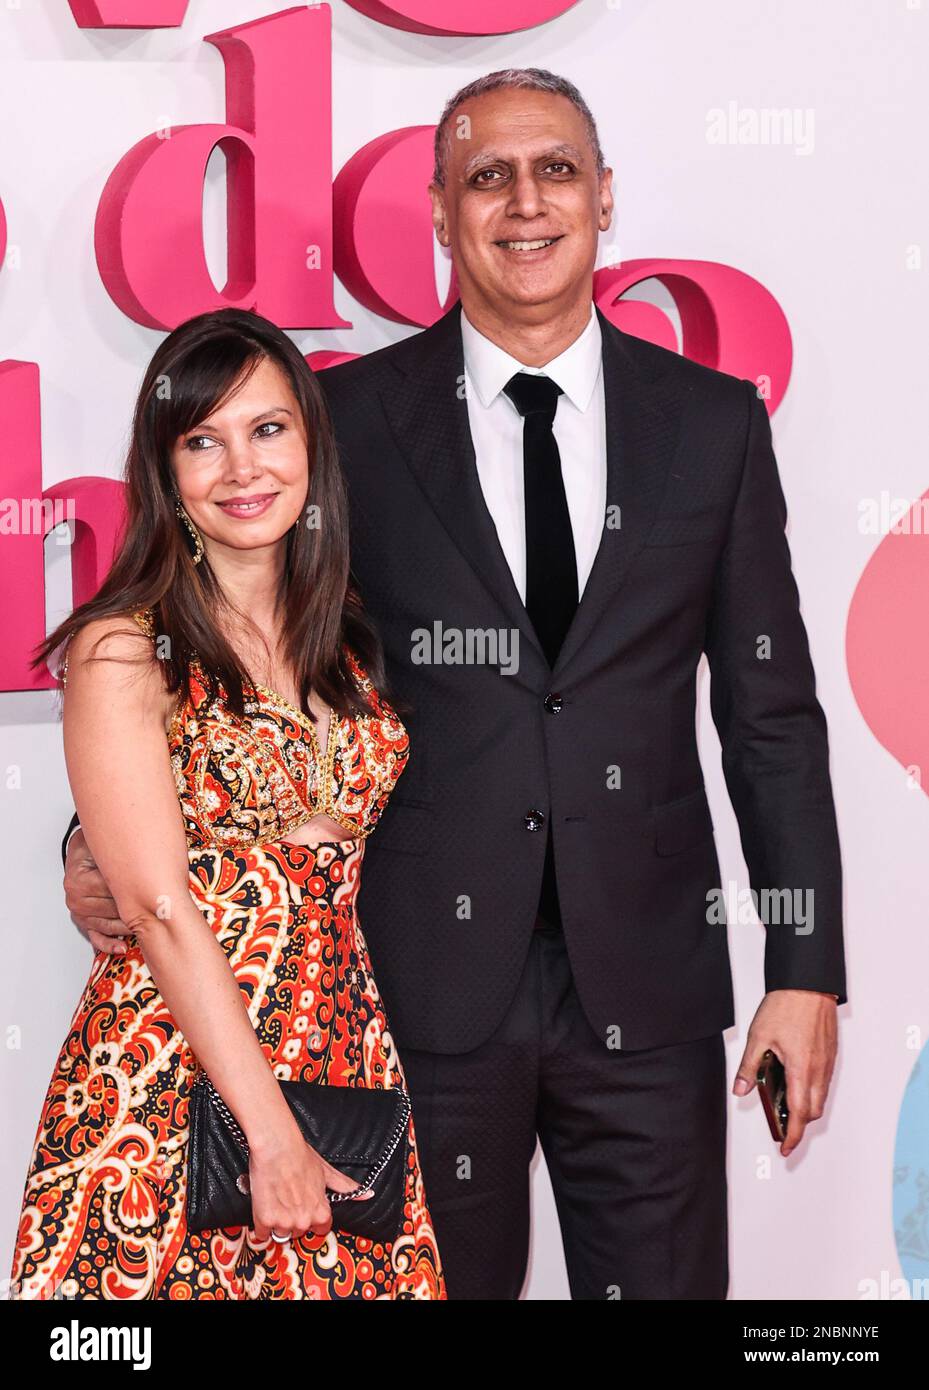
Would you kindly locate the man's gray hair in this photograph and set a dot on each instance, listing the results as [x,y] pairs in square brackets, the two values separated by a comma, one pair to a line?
[533,79]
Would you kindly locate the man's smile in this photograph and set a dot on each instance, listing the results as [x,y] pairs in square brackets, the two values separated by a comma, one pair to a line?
[522,247]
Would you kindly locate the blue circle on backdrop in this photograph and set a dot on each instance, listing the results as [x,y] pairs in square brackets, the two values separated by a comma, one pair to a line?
[911,1177]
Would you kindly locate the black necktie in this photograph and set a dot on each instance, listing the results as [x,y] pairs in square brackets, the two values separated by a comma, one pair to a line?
[551,566]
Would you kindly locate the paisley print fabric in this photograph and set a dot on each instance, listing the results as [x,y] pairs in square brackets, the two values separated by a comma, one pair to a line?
[103,1213]
[252,781]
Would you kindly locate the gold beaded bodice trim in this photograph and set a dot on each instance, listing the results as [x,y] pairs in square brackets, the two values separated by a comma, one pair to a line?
[249,781]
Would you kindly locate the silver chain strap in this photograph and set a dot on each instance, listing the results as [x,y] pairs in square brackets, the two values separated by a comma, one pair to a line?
[235,1130]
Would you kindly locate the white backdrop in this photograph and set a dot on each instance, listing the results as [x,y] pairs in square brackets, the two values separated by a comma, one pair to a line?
[825,227]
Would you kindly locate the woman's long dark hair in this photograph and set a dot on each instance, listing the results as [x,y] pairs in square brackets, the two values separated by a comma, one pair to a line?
[194,371]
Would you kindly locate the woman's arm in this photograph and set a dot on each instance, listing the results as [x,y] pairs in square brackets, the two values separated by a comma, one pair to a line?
[123,786]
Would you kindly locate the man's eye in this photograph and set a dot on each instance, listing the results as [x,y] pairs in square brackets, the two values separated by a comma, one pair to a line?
[487,176]
[559,166]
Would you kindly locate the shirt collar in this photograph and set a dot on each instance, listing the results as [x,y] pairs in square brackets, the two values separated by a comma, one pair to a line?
[575,370]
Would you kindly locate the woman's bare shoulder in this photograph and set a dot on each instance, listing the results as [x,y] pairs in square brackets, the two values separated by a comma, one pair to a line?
[114,637]
[116,654]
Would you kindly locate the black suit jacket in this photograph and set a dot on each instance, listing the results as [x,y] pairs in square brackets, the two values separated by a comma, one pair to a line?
[698,562]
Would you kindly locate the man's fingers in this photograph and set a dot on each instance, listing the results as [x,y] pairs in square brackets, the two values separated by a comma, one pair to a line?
[89,901]
[747,1075]
[87,891]
[806,1101]
[818,1093]
[108,945]
[82,905]
[103,934]
[798,1107]
[104,926]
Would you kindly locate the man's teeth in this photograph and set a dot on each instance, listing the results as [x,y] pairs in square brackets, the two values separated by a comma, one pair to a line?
[528,245]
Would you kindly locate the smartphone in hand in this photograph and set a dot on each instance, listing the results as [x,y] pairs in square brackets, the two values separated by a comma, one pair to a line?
[772,1087]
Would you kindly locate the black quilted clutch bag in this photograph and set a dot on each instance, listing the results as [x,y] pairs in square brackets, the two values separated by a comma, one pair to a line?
[363,1133]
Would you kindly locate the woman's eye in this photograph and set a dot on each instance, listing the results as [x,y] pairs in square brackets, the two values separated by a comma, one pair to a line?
[195,441]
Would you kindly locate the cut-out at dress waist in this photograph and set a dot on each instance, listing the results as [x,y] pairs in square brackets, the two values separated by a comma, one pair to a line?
[350,842]
[353,840]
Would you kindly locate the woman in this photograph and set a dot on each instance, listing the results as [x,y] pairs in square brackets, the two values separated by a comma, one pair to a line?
[229,746]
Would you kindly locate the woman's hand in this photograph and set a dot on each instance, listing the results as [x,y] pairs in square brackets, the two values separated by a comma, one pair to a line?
[288,1181]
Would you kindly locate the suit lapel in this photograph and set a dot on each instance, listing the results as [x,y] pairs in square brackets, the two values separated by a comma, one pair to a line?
[642,430]
[429,418]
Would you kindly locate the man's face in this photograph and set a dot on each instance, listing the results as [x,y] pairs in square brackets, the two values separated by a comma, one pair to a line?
[522,205]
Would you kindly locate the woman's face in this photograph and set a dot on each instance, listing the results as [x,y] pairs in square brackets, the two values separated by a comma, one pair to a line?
[243,473]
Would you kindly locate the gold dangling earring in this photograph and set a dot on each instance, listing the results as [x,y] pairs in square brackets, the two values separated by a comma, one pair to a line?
[194,533]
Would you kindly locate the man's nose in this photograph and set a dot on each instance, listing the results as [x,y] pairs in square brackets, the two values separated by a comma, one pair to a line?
[526,198]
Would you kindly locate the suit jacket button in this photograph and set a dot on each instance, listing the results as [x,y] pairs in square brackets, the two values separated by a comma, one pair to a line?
[534,820]
[554,703]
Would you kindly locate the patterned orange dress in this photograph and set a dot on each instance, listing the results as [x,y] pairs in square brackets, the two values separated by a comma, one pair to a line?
[103,1214]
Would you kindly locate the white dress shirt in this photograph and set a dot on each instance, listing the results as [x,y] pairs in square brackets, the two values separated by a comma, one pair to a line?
[579,429]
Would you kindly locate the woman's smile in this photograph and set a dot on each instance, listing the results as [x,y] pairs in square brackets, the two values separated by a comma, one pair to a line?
[247,507]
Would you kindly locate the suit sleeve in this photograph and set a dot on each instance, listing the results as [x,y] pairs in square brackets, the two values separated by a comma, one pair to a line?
[775,750]
[73,825]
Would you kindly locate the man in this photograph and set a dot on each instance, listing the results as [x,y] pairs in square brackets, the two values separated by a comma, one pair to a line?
[551,522]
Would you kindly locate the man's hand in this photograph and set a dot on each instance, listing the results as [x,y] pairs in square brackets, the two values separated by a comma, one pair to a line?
[800,1026]
[88,899]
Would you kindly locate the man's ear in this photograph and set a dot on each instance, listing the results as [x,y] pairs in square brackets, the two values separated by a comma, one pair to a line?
[606,200]
[439,221]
